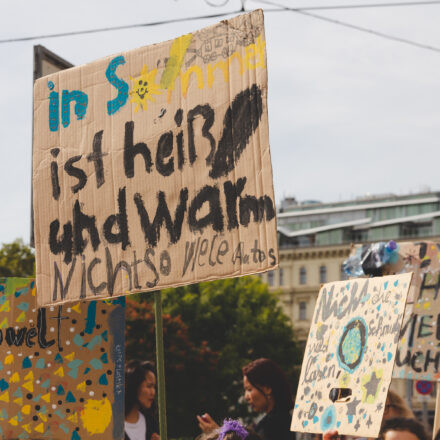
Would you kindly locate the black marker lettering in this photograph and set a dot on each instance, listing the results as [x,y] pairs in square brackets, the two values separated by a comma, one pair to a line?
[150,265]
[208,114]
[113,272]
[120,220]
[65,243]
[232,193]
[76,172]
[82,221]
[95,289]
[240,121]
[152,230]
[164,150]
[58,281]
[13,338]
[131,151]
[32,332]
[96,158]
[41,325]
[165,263]
[54,175]
[211,195]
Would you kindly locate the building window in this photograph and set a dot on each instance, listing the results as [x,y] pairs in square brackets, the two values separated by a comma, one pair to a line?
[302,275]
[322,274]
[302,311]
[281,276]
[270,278]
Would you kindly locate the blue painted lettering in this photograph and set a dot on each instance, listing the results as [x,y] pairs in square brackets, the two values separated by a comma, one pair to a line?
[115,104]
[81,101]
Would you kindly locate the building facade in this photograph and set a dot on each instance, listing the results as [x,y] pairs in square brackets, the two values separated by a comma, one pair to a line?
[316,238]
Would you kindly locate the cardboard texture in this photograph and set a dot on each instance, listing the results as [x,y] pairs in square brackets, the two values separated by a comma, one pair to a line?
[418,354]
[351,345]
[61,368]
[152,167]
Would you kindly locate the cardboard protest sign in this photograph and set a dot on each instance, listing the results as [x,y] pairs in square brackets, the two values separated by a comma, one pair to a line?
[418,354]
[61,368]
[350,354]
[152,168]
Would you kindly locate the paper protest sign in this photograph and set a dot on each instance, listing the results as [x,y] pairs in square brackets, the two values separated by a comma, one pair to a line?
[418,354]
[349,356]
[61,368]
[152,167]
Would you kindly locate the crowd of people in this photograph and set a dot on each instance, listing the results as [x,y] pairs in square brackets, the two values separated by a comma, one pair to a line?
[267,392]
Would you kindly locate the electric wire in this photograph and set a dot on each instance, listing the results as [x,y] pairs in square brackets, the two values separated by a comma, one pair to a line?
[368,5]
[352,26]
[279,8]
[116,28]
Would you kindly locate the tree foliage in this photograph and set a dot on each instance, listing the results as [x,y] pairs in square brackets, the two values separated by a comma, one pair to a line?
[242,321]
[189,367]
[17,260]
[211,330]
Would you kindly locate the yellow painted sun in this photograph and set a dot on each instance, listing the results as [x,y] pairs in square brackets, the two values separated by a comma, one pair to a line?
[144,87]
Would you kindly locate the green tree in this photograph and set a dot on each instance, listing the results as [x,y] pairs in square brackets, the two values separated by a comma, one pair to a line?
[17,260]
[242,321]
[189,368]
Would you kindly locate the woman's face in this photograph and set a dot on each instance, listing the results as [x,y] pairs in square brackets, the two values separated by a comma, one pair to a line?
[147,390]
[255,398]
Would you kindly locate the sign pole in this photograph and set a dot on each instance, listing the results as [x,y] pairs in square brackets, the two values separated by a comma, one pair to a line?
[160,366]
[437,412]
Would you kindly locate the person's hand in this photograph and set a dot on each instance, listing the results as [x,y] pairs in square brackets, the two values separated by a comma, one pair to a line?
[206,423]
[331,435]
[155,436]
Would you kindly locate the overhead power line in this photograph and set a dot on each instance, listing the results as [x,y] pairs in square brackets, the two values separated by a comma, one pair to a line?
[279,8]
[369,5]
[351,26]
[116,28]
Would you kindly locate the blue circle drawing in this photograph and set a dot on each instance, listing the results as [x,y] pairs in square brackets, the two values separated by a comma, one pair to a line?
[328,419]
[352,345]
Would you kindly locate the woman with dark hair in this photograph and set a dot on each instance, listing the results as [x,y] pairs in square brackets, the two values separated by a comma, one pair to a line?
[140,390]
[266,390]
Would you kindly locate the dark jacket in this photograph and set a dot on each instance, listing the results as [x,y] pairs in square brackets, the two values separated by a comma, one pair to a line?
[275,426]
[151,422]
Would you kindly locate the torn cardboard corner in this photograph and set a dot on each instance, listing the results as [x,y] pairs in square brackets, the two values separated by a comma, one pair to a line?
[350,355]
[152,168]
[62,368]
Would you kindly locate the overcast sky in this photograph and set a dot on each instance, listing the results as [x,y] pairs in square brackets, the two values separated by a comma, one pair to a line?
[350,113]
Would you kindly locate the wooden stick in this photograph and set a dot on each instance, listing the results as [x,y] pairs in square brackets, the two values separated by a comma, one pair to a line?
[160,366]
[437,412]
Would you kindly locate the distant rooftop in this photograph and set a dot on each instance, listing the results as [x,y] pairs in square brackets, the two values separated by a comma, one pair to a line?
[290,205]
[366,218]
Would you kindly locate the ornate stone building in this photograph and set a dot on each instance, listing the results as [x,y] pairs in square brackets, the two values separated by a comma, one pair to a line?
[315,239]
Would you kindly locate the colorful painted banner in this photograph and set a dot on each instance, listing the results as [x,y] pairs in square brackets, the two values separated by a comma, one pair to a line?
[418,353]
[152,168]
[350,355]
[61,368]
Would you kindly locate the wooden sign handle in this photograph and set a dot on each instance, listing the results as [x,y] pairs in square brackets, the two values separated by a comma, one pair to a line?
[160,366]
[437,412]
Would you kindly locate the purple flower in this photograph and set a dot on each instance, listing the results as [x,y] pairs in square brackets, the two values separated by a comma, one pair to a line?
[234,426]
